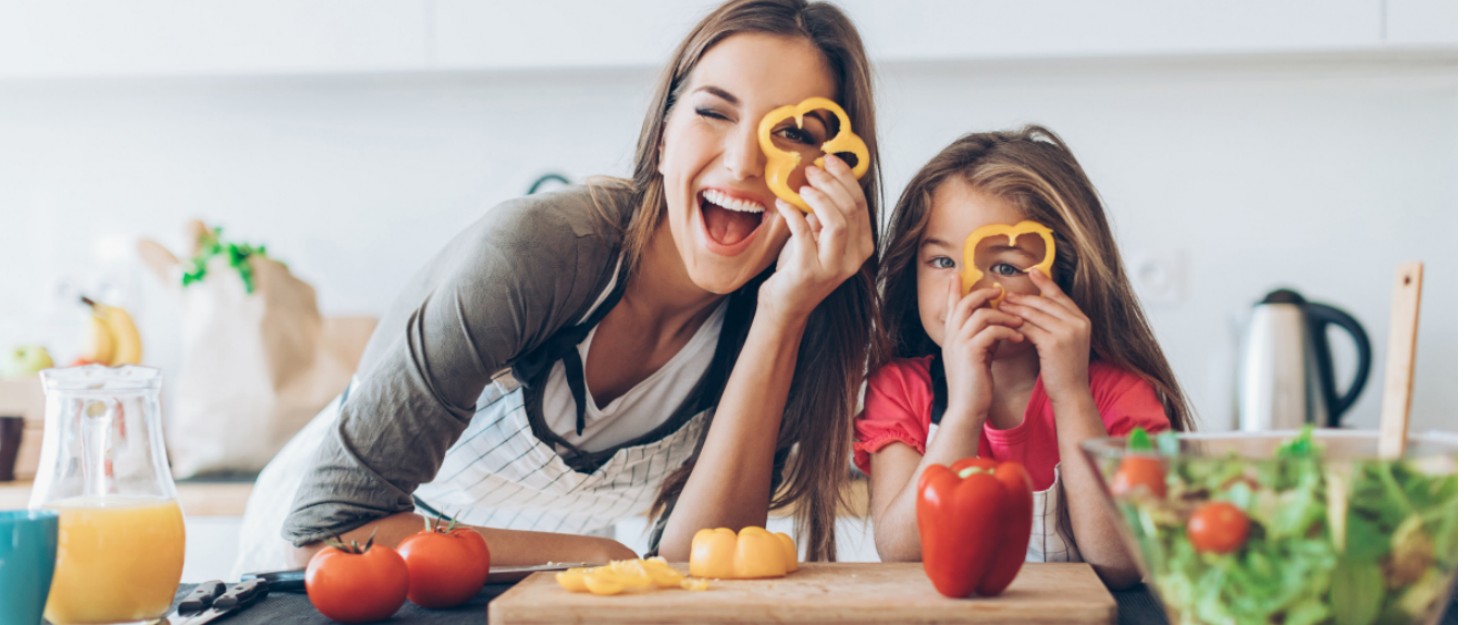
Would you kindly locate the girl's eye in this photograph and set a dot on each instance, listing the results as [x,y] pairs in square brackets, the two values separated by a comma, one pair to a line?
[942,262]
[711,114]
[1006,270]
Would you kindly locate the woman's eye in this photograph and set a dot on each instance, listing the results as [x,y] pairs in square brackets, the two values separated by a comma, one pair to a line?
[942,262]
[1006,269]
[711,114]
[797,134]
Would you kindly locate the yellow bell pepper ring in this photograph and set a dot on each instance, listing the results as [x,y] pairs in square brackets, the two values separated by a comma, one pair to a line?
[781,164]
[971,274]
[752,553]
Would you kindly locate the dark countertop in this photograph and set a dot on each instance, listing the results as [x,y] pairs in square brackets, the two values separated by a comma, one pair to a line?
[1135,607]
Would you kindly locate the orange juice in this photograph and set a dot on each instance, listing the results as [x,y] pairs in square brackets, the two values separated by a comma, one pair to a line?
[118,560]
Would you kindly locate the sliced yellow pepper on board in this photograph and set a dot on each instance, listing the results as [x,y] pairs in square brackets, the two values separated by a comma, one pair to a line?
[750,554]
[781,164]
[971,274]
[624,576]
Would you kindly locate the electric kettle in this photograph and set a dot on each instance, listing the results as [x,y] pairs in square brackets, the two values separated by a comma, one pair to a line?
[1286,378]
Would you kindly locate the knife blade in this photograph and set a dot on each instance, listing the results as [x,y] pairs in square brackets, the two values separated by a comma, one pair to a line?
[293,580]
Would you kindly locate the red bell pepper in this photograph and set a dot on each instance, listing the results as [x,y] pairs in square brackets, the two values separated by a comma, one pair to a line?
[975,521]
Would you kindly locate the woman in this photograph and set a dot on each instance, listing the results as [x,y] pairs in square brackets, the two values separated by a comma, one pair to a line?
[681,341]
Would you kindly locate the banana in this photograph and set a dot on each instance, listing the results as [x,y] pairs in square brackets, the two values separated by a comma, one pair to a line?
[98,342]
[126,343]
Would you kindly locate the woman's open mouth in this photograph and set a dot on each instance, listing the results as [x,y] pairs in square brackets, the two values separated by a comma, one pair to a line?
[730,222]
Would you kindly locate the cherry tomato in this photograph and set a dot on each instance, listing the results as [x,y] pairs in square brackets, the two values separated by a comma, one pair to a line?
[1218,527]
[1140,471]
[356,584]
[447,566]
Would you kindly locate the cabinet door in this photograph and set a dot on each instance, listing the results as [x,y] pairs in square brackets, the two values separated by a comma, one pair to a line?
[995,29]
[1421,23]
[182,37]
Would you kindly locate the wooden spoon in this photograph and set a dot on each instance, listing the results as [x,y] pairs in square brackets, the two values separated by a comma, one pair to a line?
[1398,371]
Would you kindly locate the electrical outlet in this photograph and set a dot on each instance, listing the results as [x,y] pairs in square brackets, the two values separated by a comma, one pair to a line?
[1159,276]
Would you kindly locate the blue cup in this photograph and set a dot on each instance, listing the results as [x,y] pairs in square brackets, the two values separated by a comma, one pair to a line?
[27,560]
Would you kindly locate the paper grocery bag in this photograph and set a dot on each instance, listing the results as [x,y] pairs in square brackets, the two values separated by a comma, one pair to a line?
[256,366]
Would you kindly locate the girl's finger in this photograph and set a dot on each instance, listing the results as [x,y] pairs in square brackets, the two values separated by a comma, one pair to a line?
[953,295]
[1035,316]
[1049,289]
[985,318]
[1039,306]
[974,300]
[987,339]
[982,296]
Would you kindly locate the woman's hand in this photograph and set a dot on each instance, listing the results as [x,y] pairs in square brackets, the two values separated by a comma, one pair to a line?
[1060,332]
[973,331]
[824,248]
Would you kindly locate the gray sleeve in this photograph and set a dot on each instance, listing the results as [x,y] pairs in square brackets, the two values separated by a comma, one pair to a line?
[498,289]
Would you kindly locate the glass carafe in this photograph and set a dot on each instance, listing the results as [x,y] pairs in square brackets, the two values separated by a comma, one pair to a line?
[120,541]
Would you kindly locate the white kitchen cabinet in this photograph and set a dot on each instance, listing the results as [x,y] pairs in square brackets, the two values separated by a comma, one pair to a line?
[1000,29]
[472,34]
[1421,23]
[39,38]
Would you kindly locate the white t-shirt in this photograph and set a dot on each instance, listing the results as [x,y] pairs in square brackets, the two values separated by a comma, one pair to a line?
[642,408]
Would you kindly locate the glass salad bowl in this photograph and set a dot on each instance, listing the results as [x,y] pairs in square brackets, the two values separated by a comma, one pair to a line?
[1287,527]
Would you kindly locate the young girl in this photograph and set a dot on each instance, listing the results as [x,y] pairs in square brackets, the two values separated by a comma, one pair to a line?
[1022,368]
[659,343]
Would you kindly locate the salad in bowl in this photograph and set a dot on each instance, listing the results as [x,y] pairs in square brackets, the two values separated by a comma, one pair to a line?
[1290,528]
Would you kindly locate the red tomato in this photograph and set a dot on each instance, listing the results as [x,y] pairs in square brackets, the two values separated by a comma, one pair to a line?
[1136,471]
[1218,527]
[357,587]
[447,567]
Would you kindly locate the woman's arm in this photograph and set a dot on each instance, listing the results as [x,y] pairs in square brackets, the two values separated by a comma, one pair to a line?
[499,288]
[731,482]
[506,547]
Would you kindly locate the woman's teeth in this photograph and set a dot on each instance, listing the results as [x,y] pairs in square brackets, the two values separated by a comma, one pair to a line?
[733,204]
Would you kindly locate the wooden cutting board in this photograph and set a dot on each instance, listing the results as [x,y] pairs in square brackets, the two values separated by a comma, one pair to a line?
[822,593]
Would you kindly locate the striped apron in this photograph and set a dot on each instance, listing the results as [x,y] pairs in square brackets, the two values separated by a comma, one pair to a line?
[498,474]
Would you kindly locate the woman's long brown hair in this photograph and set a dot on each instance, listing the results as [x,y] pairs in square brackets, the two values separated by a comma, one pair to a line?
[1034,170]
[817,424]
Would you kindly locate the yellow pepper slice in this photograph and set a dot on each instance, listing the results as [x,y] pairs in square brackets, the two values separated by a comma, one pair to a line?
[971,274]
[750,554]
[622,576]
[781,164]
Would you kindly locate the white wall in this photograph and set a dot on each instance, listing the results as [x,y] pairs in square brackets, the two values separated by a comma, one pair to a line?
[1246,173]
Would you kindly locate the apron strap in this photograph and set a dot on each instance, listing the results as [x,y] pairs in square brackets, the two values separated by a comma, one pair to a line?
[938,389]
[533,368]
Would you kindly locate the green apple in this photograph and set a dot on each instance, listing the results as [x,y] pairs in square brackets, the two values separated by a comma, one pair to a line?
[25,360]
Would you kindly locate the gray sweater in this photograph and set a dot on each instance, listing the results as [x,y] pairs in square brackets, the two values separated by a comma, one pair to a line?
[494,294]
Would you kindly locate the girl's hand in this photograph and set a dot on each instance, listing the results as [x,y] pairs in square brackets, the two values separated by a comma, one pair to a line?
[973,331]
[1060,332]
[824,248]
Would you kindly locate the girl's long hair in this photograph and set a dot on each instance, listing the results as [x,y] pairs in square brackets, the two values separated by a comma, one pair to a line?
[1034,170]
[813,444]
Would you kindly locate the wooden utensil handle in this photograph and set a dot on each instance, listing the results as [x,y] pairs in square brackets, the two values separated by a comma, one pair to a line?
[1398,371]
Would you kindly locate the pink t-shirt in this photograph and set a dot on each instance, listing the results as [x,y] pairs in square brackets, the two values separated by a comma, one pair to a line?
[897,410]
